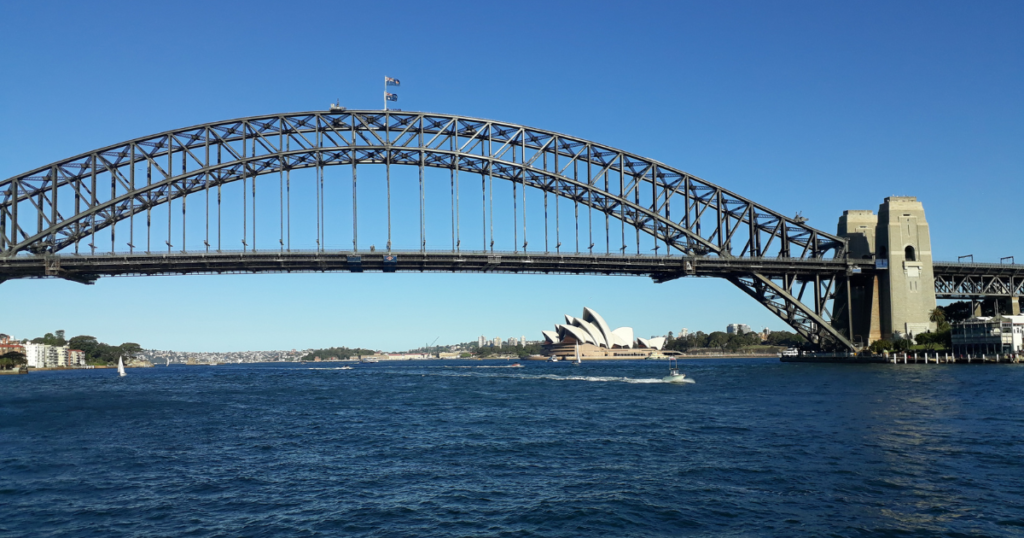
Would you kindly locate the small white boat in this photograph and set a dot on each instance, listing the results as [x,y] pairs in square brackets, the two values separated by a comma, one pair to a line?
[345,368]
[579,360]
[120,366]
[553,358]
[515,365]
[168,362]
[674,375]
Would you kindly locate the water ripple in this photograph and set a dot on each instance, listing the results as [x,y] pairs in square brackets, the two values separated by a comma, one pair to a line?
[467,449]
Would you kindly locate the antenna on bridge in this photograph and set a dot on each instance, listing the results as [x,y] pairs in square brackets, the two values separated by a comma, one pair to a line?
[388,81]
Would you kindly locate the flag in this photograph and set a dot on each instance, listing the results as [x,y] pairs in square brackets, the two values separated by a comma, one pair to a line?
[392,81]
[390,96]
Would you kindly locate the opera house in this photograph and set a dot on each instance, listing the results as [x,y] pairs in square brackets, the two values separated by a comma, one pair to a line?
[597,340]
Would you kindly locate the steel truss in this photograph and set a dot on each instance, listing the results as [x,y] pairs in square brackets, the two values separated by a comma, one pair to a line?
[978,280]
[51,210]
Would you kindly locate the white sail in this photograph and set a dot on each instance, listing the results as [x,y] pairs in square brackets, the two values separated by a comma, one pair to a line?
[120,366]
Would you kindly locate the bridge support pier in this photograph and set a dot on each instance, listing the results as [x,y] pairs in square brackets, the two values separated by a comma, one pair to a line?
[895,301]
[858,310]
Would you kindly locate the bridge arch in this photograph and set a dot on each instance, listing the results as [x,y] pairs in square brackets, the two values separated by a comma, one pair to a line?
[45,211]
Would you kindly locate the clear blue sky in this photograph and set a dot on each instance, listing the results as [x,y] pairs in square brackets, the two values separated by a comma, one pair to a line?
[802,106]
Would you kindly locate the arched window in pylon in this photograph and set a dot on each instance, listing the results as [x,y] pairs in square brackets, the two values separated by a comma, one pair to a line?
[910,254]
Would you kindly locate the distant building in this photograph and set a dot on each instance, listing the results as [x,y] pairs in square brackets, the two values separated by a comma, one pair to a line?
[35,354]
[76,357]
[765,333]
[989,336]
[513,342]
[57,356]
[44,356]
[481,341]
[595,339]
[522,340]
[9,344]
[684,332]
[496,342]
[738,328]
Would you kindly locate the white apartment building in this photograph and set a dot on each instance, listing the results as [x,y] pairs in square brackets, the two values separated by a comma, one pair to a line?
[738,328]
[44,356]
[76,357]
[496,342]
[35,354]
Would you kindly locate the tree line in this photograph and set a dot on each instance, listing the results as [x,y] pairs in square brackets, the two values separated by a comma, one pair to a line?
[731,342]
[96,353]
[940,340]
[336,353]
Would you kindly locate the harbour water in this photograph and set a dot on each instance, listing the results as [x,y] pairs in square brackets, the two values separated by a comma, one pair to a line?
[754,447]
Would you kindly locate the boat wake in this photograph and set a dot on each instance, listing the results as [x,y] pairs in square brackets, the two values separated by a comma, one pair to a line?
[597,379]
[586,378]
[494,366]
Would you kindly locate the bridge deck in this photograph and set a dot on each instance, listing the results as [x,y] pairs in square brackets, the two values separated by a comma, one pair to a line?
[91,267]
[952,280]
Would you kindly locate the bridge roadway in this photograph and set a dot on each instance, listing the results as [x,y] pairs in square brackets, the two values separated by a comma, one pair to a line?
[952,280]
[87,268]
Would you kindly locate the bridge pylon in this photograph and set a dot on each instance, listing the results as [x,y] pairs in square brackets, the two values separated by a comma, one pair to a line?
[897,298]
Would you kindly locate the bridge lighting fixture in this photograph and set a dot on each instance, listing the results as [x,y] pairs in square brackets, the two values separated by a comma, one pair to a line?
[960,258]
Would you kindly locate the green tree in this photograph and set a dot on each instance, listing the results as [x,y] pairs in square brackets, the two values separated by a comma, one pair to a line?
[129,349]
[880,346]
[84,343]
[12,359]
[718,339]
[938,317]
[902,345]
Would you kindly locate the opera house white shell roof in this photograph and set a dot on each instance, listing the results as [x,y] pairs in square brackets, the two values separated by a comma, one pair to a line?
[592,329]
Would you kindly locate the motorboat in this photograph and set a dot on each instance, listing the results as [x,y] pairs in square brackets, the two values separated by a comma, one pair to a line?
[515,365]
[553,358]
[674,375]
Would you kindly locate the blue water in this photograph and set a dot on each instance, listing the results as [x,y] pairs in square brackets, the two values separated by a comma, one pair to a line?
[754,447]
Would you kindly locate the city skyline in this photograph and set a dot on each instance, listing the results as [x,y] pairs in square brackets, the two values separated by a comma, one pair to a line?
[830,110]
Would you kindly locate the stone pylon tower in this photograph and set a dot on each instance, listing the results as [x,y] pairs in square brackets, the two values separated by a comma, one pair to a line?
[897,298]
[908,285]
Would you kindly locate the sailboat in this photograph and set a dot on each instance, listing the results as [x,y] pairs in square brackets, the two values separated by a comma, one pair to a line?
[120,366]
[168,361]
[578,360]
[674,376]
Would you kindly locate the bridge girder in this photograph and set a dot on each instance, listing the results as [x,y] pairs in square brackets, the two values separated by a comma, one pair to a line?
[715,222]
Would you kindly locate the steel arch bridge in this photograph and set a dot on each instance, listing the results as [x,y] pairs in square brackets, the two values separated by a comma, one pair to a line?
[697,227]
